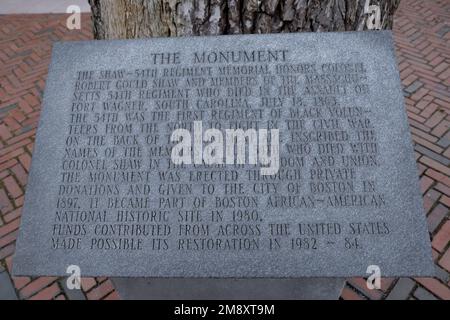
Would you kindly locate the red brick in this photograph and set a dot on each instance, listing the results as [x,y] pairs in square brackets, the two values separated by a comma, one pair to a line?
[437,62]
[12,187]
[20,282]
[17,114]
[442,188]
[435,165]
[423,135]
[444,262]
[31,100]
[25,160]
[361,285]
[349,294]
[36,286]
[386,283]
[445,201]
[13,147]
[5,203]
[436,216]
[19,201]
[447,153]
[441,128]
[442,238]
[442,103]
[416,117]
[88,283]
[3,174]
[12,123]
[425,183]
[8,239]
[10,227]
[7,251]
[429,110]
[436,287]
[30,147]
[48,293]
[425,101]
[429,199]
[419,94]
[445,75]
[25,135]
[112,296]
[438,176]
[20,174]
[435,254]
[409,79]
[8,164]
[5,134]
[25,107]
[435,119]
[101,291]
[11,155]
[12,215]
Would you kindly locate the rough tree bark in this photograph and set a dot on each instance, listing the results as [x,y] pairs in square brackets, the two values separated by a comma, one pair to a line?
[125,19]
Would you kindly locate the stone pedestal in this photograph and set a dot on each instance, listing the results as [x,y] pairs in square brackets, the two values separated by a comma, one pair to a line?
[228,289]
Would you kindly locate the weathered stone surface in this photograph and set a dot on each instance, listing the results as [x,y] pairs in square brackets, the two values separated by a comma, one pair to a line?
[345,197]
[402,289]
[7,291]
[228,289]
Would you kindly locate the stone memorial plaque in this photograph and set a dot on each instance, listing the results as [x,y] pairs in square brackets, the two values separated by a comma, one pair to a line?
[232,157]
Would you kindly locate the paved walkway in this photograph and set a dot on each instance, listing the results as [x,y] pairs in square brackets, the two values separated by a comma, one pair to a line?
[422,34]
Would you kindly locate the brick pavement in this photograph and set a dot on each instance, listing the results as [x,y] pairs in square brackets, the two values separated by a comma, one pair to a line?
[422,35]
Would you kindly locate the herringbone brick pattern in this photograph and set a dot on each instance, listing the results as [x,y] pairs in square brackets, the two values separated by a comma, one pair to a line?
[25,48]
[422,35]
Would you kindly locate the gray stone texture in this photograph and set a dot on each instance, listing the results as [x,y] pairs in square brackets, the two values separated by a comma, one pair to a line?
[401,290]
[229,289]
[72,294]
[422,294]
[347,231]
[7,291]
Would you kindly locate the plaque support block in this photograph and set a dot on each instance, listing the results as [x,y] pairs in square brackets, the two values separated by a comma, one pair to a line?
[229,289]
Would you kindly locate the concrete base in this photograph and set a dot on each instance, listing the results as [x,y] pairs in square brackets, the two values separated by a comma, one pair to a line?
[7,291]
[228,289]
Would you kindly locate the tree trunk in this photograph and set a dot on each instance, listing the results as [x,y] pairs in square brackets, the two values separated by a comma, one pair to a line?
[125,19]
